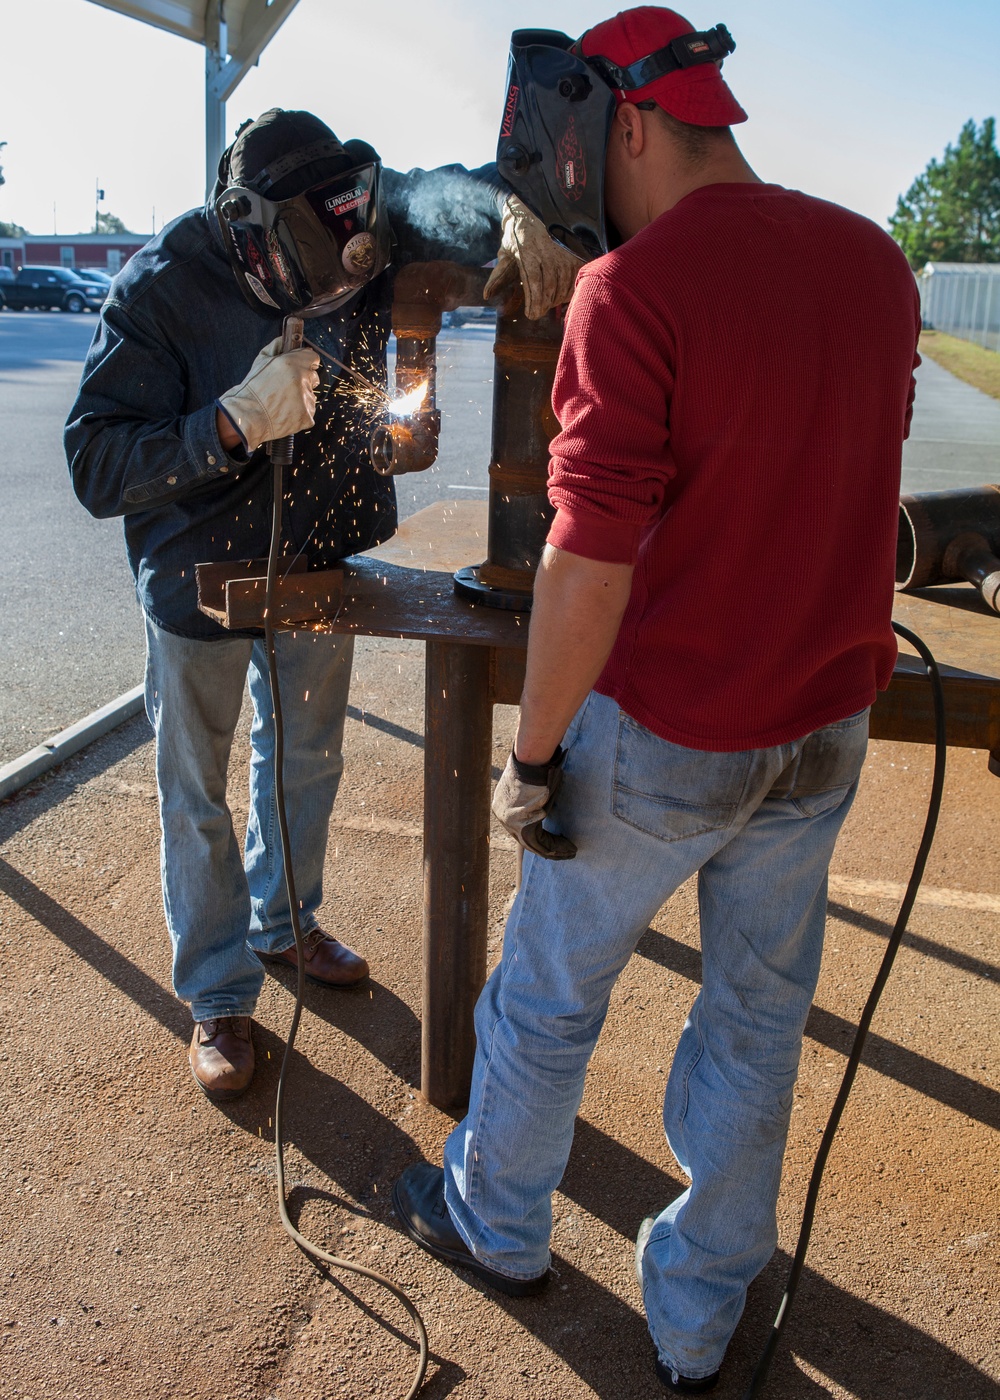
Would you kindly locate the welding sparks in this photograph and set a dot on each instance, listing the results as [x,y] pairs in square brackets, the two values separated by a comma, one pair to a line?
[408,403]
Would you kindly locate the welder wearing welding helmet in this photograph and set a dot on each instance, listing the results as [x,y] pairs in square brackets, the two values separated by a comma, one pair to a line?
[182,387]
[711,620]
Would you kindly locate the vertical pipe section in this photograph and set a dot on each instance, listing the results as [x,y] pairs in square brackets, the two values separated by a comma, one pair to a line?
[457,752]
[523,426]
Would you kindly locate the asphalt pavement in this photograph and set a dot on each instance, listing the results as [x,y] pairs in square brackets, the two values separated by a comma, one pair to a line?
[955,434]
[72,638]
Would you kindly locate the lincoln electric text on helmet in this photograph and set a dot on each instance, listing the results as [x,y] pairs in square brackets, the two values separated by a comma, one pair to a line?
[557,120]
[310,253]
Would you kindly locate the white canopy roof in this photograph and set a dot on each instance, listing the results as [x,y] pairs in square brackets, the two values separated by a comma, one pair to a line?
[234,34]
[251,23]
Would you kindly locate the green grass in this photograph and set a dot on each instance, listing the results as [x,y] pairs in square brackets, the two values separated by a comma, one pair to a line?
[978,367]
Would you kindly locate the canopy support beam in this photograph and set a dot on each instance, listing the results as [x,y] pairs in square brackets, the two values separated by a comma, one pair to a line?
[234,33]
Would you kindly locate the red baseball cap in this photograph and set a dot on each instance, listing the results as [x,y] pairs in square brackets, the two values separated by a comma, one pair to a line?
[697,95]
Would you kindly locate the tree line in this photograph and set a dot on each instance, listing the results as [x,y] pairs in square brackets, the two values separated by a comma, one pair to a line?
[951,213]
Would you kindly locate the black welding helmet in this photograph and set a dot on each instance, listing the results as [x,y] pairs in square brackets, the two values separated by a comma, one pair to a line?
[561,99]
[553,137]
[305,227]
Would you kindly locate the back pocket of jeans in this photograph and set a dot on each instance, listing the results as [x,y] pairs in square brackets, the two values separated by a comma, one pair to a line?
[672,792]
[827,766]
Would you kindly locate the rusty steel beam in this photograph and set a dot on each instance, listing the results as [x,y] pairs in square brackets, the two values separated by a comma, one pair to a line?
[457,754]
[233,593]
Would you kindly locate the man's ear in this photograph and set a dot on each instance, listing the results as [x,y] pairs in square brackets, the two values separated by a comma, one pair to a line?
[628,127]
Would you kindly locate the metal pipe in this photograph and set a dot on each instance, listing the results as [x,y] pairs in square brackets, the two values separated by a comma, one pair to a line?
[523,426]
[947,536]
[423,291]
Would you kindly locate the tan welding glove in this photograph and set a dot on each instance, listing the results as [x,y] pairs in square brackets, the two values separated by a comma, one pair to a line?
[523,799]
[278,396]
[547,269]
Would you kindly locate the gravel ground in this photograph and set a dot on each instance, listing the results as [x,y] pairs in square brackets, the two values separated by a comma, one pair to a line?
[141,1254]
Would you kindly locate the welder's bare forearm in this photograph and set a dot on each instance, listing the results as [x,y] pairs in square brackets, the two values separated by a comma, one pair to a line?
[577,610]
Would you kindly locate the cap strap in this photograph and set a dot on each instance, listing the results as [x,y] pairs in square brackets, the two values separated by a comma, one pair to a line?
[687,51]
[327,148]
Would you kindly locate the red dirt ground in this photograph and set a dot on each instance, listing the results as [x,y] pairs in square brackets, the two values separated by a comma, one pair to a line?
[141,1254]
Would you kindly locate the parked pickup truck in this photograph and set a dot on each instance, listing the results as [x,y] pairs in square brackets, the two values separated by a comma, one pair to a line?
[53,288]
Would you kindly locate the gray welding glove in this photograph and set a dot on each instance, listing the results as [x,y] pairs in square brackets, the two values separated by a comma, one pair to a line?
[523,799]
[547,269]
[278,396]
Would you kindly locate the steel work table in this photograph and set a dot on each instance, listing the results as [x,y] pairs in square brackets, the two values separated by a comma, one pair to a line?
[475,659]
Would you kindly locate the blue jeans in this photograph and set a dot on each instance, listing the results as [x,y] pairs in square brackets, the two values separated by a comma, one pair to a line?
[219,907]
[759,827]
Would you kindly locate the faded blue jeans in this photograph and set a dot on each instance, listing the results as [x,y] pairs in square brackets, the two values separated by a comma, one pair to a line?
[219,908]
[759,827]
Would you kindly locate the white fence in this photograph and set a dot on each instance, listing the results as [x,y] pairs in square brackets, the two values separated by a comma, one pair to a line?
[962,299]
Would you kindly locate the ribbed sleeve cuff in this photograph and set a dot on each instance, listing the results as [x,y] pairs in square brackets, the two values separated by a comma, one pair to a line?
[595,536]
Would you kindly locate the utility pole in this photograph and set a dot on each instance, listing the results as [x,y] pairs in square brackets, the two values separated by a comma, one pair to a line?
[98,196]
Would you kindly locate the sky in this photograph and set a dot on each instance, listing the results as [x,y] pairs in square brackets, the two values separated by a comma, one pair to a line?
[848,99]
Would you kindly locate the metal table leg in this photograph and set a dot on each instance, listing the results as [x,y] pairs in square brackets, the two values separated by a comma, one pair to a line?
[457,750]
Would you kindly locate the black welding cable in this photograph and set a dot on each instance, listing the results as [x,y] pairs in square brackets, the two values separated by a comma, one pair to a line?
[895,938]
[281,457]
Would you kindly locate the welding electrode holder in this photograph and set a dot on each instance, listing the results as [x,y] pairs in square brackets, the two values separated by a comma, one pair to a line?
[282,450]
[948,537]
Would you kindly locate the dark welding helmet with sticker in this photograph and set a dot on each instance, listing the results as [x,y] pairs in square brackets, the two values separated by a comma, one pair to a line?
[561,99]
[308,252]
[555,128]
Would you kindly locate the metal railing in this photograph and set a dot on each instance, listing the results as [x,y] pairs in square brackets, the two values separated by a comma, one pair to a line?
[962,299]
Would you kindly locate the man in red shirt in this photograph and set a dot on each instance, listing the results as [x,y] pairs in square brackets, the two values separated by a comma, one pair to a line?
[711,623]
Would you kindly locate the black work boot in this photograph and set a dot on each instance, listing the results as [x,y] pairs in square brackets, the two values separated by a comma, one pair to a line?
[418,1197]
[670,1379]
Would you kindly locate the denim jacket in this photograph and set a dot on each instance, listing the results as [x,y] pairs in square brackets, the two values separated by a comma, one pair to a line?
[175,333]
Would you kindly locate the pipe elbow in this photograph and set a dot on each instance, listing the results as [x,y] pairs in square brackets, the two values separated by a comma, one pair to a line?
[401,445]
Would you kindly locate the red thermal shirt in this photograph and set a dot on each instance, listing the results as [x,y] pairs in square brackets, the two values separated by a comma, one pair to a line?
[734,389]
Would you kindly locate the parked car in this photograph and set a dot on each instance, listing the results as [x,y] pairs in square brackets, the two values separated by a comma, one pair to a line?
[6,276]
[95,274]
[53,288]
[485,316]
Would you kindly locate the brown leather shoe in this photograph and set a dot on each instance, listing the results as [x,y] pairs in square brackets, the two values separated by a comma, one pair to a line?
[221,1057]
[328,961]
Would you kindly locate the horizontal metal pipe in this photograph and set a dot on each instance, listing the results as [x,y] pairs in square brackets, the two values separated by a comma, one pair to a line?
[945,536]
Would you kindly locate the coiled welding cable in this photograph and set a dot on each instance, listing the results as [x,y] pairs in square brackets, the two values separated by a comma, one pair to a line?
[895,938]
[281,456]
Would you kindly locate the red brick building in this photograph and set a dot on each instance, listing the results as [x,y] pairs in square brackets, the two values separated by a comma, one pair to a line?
[106,251]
